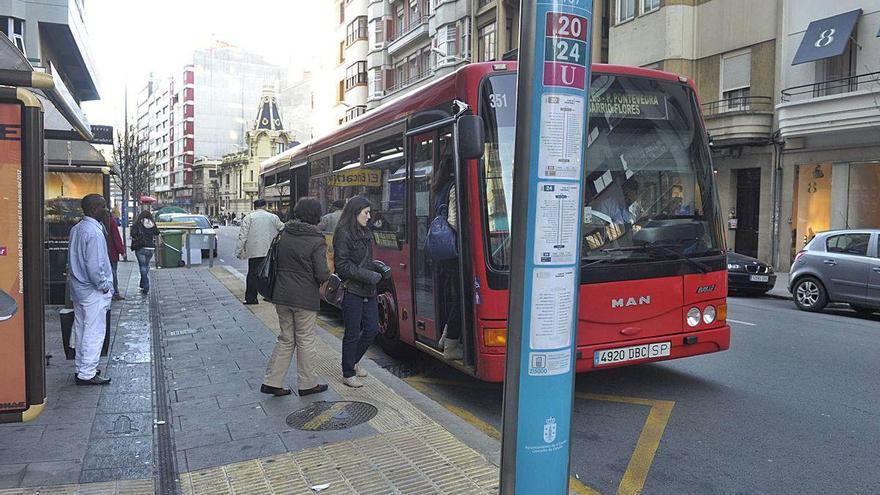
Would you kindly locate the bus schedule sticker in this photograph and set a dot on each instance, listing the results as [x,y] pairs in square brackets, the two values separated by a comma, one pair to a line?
[549,363]
[562,134]
[556,222]
[553,293]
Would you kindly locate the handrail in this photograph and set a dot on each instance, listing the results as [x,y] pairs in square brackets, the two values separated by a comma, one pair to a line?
[831,86]
[738,104]
[409,82]
[408,27]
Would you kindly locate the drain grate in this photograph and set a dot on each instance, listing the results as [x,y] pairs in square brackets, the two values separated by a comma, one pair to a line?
[336,415]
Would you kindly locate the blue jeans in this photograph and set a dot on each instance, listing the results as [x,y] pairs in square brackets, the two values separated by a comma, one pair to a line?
[361,316]
[144,255]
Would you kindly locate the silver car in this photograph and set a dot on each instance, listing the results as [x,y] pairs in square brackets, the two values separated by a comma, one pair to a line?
[838,266]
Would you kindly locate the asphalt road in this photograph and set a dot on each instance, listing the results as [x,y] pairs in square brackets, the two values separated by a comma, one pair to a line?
[792,407]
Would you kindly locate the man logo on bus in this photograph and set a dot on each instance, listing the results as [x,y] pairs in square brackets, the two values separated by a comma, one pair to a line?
[632,301]
[550,430]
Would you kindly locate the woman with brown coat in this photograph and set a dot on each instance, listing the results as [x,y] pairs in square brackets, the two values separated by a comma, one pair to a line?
[302,268]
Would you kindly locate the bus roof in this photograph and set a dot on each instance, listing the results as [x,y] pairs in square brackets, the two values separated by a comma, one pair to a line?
[427,96]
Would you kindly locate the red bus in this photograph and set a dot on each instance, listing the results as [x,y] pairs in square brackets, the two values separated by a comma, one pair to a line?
[653,278]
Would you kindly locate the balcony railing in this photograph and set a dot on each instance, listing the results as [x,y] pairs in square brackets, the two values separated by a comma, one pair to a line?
[407,28]
[739,104]
[409,82]
[831,87]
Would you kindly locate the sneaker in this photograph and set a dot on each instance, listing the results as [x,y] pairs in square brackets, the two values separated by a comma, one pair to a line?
[95,380]
[452,349]
[360,371]
[353,382]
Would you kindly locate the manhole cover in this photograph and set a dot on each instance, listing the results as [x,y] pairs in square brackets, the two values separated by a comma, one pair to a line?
[323,415]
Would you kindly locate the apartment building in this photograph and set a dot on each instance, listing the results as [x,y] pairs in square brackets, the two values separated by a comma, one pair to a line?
[828,113]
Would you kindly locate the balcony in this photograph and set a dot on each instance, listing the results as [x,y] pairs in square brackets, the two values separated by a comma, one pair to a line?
[836,105]
[739,121]
[250,187]
[409,82]
[413,32]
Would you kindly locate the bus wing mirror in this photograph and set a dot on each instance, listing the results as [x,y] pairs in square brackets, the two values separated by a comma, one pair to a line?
[471,137]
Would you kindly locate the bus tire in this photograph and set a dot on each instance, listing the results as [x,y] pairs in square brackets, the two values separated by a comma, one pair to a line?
[389,331]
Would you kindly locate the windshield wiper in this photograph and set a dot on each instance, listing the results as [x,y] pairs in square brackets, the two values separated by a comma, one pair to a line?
[664,248]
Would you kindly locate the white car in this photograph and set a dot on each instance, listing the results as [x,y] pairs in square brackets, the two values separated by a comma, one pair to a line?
[203,227]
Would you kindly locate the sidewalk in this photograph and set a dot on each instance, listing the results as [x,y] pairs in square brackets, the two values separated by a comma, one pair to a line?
[207,428]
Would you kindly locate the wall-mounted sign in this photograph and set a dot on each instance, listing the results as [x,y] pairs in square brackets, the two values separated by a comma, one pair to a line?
[103,134]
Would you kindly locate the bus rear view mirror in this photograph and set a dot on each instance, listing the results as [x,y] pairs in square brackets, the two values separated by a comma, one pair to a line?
[471,137]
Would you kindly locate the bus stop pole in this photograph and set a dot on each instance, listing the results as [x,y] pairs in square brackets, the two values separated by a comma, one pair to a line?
[551,128]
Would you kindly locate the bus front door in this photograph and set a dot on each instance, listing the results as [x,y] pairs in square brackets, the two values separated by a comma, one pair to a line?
[421,162]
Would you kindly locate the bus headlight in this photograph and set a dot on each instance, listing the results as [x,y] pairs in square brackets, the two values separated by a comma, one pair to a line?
[709,314]
[693,317]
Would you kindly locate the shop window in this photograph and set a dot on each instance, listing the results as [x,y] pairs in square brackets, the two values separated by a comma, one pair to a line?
[863,209]
[813,202]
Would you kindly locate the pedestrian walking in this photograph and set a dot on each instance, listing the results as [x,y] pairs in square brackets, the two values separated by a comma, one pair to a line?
[115,249]
[353,258]
[143,243]
[91,287]
[301,269]
[258,229]
[443,188]
[329,221]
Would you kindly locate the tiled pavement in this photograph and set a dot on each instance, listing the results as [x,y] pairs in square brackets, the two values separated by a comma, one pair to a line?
[228,437]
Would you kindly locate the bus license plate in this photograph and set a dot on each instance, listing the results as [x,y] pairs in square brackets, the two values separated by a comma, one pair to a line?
[623,354]
[759,278]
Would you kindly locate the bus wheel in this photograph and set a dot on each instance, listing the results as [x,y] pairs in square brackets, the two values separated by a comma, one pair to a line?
[389,333]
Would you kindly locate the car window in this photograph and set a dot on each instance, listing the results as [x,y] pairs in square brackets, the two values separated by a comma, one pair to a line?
[855,244]
[201,222]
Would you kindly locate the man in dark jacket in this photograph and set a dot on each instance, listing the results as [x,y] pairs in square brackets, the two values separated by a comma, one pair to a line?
[302,268]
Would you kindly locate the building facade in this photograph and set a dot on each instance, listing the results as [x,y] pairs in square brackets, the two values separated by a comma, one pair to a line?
[206,187]
[828,117]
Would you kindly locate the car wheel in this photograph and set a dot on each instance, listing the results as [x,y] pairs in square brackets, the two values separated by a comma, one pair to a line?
[810,295]
[863,310]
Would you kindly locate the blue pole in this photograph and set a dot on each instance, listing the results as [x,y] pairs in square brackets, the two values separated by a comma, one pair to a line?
[553,88]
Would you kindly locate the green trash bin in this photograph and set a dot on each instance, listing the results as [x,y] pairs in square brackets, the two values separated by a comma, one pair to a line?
[172,248]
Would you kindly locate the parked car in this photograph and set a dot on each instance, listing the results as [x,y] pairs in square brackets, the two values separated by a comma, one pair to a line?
[838,266]
[201,221]
[747,275]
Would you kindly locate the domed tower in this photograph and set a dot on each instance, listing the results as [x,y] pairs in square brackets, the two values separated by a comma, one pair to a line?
[266,139]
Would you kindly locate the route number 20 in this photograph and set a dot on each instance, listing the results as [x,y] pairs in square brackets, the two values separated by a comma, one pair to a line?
[561,25]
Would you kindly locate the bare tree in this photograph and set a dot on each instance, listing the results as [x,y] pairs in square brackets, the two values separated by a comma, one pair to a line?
[131,156]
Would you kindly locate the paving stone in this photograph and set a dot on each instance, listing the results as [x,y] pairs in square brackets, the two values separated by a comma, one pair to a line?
[119,425]
[119,403]
[109,453]
[230,387]
[11,475]
[235,451]
[200,437]
[244,414]
[195,406]
[117,474]
[52,473]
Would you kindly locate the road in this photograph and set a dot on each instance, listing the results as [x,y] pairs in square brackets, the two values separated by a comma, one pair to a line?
[792,407]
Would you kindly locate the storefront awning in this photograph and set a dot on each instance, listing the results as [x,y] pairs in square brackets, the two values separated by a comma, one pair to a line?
[826,37]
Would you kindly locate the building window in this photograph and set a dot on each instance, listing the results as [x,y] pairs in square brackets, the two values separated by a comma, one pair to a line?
[736,69]
[14,30]
[340,92]
[377,33]
[446,38]
[486,43]
[341,52]
[341,12]
[279,148]
[398,20]
[356,30]
[834,74]
[375,83]
[465,31]
[650,6]
[356,74]
[626,10]
[355,112]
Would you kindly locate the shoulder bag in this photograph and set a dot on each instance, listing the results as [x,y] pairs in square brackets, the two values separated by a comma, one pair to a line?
[267,272]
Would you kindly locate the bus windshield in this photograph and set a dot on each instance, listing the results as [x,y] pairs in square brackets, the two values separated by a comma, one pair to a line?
[649,192]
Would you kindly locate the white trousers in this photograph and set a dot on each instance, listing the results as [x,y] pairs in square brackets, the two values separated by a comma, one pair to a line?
[89,325]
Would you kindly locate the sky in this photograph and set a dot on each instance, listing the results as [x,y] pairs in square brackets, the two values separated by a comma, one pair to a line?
[131,38]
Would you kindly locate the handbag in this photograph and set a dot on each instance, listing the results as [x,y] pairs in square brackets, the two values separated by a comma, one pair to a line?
[441,243]
[267,272]
[334,291]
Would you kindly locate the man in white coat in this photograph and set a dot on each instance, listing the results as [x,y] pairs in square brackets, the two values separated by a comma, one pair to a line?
[91,288]
[258,229]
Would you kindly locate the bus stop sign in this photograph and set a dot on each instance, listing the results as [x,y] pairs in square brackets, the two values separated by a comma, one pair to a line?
[551,125]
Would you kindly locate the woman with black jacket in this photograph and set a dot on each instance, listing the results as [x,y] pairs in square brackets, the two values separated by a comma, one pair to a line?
[143,243]
[353,258]
[302,268]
